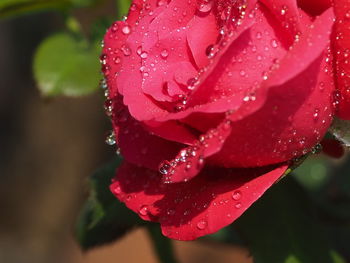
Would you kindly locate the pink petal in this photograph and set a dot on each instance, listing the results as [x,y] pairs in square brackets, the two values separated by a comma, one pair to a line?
[341,44]
[190,160]
[298,110]
[122,67]
[137,144]
[199,42]
[172,130]
[200,207]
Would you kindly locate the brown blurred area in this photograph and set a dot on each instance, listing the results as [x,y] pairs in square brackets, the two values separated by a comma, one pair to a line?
[47,149]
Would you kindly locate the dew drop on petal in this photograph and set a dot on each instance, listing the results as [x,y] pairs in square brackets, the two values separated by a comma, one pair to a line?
[201,225]
[164,167]
[143,210]
[126,50]
[126,30]
[164,53]
[274,43]
[117,190]
[110,139]
[236,195]
[205,6]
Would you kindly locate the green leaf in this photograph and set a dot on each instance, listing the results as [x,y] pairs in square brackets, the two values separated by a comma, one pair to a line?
[65,66]
[281,227]
[104,219]
[18,7]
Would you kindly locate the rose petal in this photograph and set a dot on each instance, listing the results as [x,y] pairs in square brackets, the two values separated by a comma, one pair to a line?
[190,160]
[314,7]
[173,131]
[297,112]
[199,42]
[200,207]
[122,67]
[286,11]
[341,44]
[137,144]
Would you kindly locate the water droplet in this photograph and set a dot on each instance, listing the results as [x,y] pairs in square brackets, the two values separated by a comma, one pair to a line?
[205,6]
[103,58]
[126,30]
[284,10]
[105,69]
[110,139]
[143,210]
[117,151]
[117,190]
[201,225]
[103,83]
[164,167]
[161,2]
[144,54]
[238,205]
[170,212]
[164,53]
[274,43]
[347,14]
[126,50]
[208,50]
[108,107]
[133,7]
[236,195]
[187,212]
[316,114]
[258,35]
[116,60]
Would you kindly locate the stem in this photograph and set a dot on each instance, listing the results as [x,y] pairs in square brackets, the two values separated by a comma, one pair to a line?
[162,245]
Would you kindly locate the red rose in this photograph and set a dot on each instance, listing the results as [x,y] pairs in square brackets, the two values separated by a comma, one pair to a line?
[211,100]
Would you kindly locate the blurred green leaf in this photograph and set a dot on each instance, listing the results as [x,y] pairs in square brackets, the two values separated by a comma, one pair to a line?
[104,219]
[64,65]
[334,197]
[122,7]
[281,227]
[18,7]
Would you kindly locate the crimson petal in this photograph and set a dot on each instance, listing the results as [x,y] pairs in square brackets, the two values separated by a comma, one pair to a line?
[200,207]
[342,53]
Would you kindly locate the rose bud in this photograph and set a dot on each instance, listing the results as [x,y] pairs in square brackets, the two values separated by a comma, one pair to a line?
[212,101]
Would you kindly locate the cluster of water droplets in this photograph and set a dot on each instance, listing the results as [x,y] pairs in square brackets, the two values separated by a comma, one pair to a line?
[230,17]
[191,159]
[229,202]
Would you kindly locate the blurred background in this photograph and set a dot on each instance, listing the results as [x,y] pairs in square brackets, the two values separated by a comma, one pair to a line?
[49,146]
